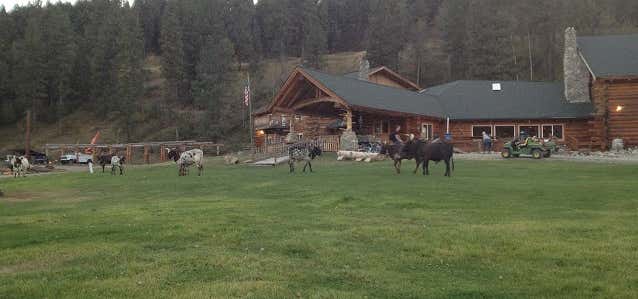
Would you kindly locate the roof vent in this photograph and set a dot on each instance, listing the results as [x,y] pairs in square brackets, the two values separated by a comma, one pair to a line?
[496,86]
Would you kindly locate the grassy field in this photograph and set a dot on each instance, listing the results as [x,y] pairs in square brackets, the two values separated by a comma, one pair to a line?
[499,229]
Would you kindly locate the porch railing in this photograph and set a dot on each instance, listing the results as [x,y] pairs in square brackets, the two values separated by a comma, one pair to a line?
[328,143]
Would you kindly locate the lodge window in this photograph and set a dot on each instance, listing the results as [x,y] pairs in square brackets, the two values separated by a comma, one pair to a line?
[530,131]
[505,132]
[553,130]
[427,131]
[477,131]
[297,116]
[382,126]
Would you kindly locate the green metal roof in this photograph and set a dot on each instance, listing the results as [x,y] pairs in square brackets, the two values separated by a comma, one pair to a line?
[611,55]
[367,94]
[466,100]
[460,100]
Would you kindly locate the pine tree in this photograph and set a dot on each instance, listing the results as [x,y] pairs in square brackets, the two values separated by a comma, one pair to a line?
[58,58]
[28,73]
[239,26]
[214,80]
[313,34]
[385,40]
[488,44]
[6,90]
[129,60]
[172,53]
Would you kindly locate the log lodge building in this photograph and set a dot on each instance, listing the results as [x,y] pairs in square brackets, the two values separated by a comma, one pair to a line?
[596,103]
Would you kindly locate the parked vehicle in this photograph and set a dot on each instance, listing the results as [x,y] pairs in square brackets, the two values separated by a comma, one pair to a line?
[35,157]
[535,148]
[75,158]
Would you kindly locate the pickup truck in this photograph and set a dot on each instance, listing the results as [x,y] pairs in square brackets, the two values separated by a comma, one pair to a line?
[75,158]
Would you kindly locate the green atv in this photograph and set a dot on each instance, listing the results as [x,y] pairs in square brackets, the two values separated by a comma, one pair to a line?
[533,148]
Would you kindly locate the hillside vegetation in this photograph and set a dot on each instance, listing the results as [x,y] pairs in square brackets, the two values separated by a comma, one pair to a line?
[82,124]
[154,69]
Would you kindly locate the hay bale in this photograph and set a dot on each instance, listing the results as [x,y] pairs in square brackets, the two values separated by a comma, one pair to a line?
[231,159]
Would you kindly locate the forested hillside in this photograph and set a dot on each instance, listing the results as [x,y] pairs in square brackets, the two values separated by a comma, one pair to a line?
[183,63]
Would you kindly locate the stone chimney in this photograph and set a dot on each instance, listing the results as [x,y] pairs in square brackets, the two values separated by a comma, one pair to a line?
[576,77]
[364,69]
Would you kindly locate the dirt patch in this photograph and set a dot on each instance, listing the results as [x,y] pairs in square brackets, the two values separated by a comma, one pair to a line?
[62,196]
[17,197]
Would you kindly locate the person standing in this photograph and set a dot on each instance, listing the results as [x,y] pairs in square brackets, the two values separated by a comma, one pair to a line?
[487,143]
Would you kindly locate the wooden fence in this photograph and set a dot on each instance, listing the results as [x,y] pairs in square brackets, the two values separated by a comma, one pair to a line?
[130,149]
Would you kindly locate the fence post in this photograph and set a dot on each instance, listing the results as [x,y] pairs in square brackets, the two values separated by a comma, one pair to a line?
[129,154]
[147,158]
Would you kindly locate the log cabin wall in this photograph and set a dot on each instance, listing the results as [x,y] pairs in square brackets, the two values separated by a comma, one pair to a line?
[598,125]
[575,132]
[313,126]
[622,111]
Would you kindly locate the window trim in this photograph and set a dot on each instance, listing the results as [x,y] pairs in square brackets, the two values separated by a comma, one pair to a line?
[552,125]
[513,125]
[431,126]
[488,125]
[539,129]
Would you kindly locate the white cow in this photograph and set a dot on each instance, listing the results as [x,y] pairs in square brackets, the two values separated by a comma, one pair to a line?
[190,158]
[19,166]
[117,161]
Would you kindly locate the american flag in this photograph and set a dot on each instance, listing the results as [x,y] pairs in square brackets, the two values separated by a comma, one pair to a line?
[246,95]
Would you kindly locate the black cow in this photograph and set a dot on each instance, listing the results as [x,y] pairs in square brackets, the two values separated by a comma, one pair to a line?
[436,151]
[399,152]
[302,152]
[104,160]
[173,154]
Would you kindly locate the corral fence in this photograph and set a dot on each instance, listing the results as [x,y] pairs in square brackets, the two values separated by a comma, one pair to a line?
[279,147]
[146,152]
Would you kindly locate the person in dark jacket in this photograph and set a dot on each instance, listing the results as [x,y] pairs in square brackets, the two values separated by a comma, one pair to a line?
[395,137]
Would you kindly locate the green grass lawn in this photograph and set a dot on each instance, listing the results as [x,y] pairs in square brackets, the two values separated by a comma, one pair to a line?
[496,229]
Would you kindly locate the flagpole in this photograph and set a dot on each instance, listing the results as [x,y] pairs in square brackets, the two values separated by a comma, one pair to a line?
[250,112]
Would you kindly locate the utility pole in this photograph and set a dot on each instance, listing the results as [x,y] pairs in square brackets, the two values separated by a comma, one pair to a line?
[531,62]
[27,137]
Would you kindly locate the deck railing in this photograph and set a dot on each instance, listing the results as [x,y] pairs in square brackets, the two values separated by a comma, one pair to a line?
[327,143]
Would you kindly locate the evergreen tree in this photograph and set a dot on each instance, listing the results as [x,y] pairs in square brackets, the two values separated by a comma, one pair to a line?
[28,71]
[129,60]
[214,78]
[313,34]
[57,38]
[6,89]
[488,44]
[385,40]
[172,53]
[239,26]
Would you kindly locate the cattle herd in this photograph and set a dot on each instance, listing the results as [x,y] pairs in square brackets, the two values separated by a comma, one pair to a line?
[19,165]
[421,151]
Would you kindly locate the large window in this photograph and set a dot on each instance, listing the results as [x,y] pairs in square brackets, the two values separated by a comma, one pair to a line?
[381,126]
[505,132]
[477,131]
[553,131]
[530,131]
[426,131]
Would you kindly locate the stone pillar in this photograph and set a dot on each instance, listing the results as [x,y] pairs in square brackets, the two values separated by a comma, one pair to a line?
[348,141]
[575,71]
